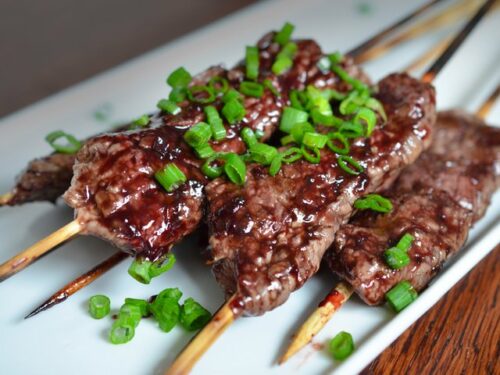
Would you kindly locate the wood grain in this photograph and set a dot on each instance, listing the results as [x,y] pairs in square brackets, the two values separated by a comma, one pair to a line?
[459,335]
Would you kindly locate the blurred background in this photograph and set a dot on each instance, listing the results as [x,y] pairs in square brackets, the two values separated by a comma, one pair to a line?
[48,45]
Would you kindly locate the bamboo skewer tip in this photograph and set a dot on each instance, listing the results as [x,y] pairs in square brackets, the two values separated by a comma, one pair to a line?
[5,198]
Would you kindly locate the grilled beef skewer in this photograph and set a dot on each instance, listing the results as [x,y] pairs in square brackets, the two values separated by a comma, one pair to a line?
[436,200]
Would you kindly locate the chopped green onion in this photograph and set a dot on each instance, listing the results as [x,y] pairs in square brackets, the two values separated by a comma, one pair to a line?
[287,139]
[219,85]
[325,120]
[377,106]
[298,99]
[233,111]
[132,312]
[263,153]
[230,95]
[252,62]
[314,140]
[290,117]
[141,121]
[210,169]
[374,202]
[162,265]
[291,155]
[252,89]
[193,316]
[351,130]
[318,100]
[299,129]
[283,36]
[248,137]
[139,270]
[335,58]
[289,49]
[99,306]
[369,118]
[122,331]
[168,293]
[343,75]
[179,78]
[270,86]
[215,121]
[346,162]
[313,157]
[341,346]
[71,146]
[141,304]
[235,168]
[401,295]
[168,106]
[201,94]
[336,136]
[170,177]
[178,94]
[405,242]
[166,313]
[275,166]
[204,151]
[396,258]
[281,65]
[198,135]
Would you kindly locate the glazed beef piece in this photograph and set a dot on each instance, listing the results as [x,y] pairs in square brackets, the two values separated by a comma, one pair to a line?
[436,200]
[114,191]
[269,236]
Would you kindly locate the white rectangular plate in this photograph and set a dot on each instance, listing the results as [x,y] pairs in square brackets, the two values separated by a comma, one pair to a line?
[66,340]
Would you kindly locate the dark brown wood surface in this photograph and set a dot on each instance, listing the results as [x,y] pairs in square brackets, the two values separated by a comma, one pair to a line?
[48,45]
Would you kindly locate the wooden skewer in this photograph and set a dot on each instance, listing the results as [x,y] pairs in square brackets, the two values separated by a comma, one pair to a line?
[341,293]
[203,340]
[74,286]
[487,106]
[34,252]
[430,55]
[5,198]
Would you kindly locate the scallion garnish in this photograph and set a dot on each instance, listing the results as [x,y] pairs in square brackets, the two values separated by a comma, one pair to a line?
[141,304]
[298,99]
[252,62]
[324,119]
[99,306]
[211,169]
[346,162]
[204,151]
[396,258]
[341,346]
[374,202]
[248,137]
[166,313]
[368,117]
[344,76]
[178,94]
[405,242]
[270,86]
[162,265]
[290,117]
[299,129]
[219,85]
[314,140]
[230,95]
[233,111]
[275,166]
[253,89]
[376,106]
[291,155]
[141,121]
[170,177]
[284,59]
[179,78]
[283,36]
[130,312]
[235,168]
[201,94]
[334,139]
[122,331]
[313,157]
[351,130]
[401,295]
[168,106]
[71,146]
[198,135]
[193,316]
[263,153]
[215,122]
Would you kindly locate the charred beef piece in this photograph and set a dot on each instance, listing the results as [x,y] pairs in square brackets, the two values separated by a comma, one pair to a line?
[436,200]
[114,191]
[268,237]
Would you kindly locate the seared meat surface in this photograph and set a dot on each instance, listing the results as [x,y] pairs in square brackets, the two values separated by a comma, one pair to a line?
[114,191]
[269,236]
[436,200]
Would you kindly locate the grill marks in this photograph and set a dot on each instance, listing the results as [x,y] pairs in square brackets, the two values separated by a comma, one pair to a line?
[268,237]
[437,200]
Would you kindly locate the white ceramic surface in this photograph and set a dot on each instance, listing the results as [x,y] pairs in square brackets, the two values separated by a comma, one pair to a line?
[66,340]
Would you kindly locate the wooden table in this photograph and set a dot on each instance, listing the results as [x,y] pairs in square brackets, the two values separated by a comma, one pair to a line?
[68,41]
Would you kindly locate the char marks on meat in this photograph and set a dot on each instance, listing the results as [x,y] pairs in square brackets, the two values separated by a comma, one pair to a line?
[114,191]
[436,200]
[268,237]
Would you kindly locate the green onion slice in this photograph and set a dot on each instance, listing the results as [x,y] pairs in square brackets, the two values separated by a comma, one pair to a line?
[132,312]
[313,157]
[253,89]
[401,295]
[334,139]
[170,177]
[298,99]
[141,121]
[99,306]
[168,106]
[122,331]
[204,151]
[405,242]
[71,146]
[198,135]
[374,202]
[299,129]
[252,62]
[335,58]
[291,155]
[283,36]
[179,78]
[368,117]
[281,65]
[263,153]
[211,169]
[139,270]
[178,94]
[201,94]
[141,304]
[215,121]
[219,85]
[314,140]
[235,168]
[290,117]
[341,346]
[270,86]
[396,258]
[343,75]
[166,312]
[248,137]
[376,106]
[162,265]
[275,166]
[351,130]
[230,95]
[193,316]
[346,162]
[325,120]
[233,111]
